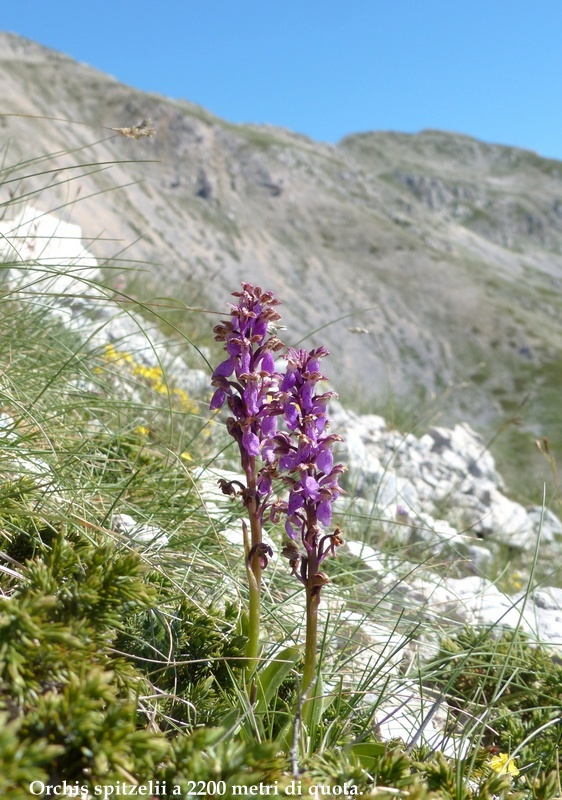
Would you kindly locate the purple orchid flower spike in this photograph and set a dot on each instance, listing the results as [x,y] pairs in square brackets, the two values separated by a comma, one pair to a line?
[306,465]
[249,384]
[247,379]
[258,397]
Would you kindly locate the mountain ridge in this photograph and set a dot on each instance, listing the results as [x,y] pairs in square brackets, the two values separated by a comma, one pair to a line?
[430,264]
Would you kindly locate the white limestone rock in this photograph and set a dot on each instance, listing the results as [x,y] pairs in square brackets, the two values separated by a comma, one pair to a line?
[448,475]
[472,600]
[417,717]
[545,523]
[48,257]
[377,562]
[150,535]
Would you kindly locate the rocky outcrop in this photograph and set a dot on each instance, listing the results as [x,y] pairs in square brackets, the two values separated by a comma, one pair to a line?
[44,256]
[442,489]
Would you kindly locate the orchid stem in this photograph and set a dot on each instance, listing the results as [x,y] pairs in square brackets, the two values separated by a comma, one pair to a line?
[309,671]
[310,651]
[253,644]
[254,582]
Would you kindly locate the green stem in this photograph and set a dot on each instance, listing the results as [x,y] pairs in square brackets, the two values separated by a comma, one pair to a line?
[309,671]
[254,580]
[310,688]
[309,675]
[253,643]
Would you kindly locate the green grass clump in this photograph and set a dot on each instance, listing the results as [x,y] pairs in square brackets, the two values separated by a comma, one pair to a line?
[513,688]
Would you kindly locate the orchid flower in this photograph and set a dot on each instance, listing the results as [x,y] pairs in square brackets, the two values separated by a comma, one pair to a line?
[248,382]
[306,464]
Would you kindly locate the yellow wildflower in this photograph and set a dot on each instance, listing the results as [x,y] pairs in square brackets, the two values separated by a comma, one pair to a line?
[116,356]
[186,456]
[516,581]
[142,430]
[185,402]
[151,374]
[154,377]
[503,765]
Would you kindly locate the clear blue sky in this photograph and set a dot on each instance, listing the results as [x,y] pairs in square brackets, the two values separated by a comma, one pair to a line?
[488,68]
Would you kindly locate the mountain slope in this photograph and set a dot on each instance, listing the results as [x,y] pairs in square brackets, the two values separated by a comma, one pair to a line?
[436,259]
